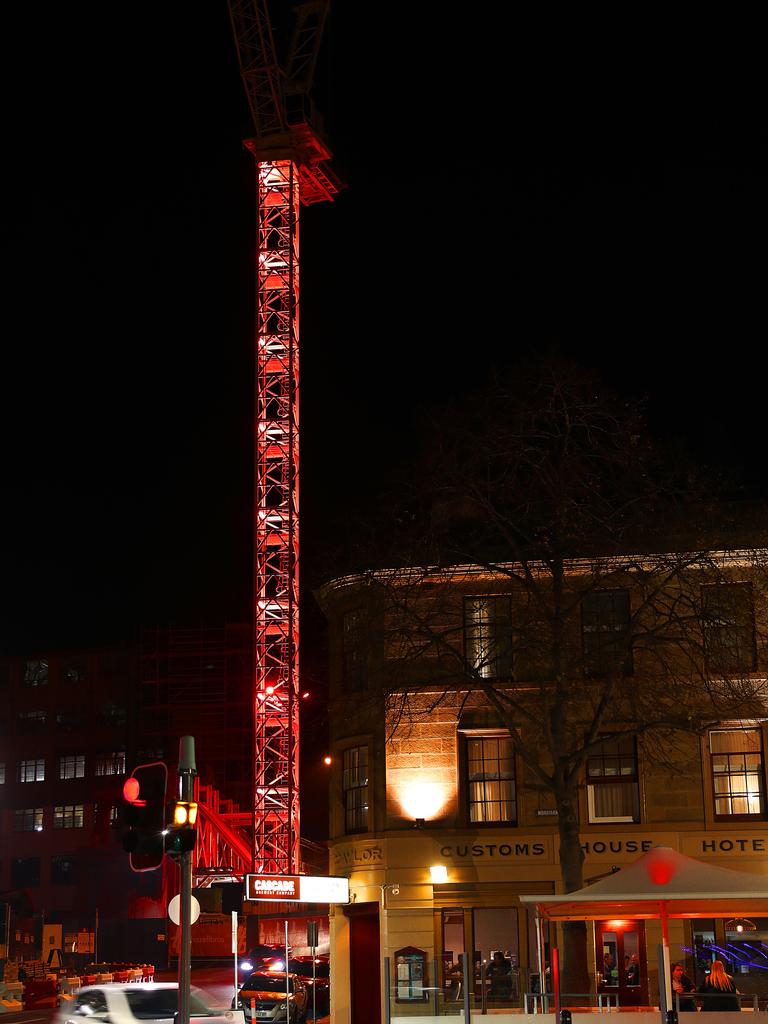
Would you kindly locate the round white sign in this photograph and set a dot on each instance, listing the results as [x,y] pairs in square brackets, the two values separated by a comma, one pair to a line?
[174,910]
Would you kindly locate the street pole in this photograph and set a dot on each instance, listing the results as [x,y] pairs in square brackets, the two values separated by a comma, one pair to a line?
[187,772]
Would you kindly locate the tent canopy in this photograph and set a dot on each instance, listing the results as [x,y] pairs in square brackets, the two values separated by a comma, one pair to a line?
[661,883]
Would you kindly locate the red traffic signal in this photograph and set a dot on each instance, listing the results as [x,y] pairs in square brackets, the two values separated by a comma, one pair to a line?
[144,815]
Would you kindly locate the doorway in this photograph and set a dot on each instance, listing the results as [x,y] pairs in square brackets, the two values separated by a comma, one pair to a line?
[621,969]
[364,963]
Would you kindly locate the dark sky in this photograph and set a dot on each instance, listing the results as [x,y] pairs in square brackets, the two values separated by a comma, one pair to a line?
[512,186]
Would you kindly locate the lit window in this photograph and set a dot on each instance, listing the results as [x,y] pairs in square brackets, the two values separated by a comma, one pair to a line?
[68,816]
[729,628]
[111,764]
[114,815]
[491,790]
[72,766]
[605,632]
[2,773]
[28,819]
[354,784]
[488,635]
[612,781]
[736,757]
[36,672]
[32,770]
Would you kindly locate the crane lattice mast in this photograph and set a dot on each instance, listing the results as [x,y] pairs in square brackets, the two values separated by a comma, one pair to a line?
[292,169]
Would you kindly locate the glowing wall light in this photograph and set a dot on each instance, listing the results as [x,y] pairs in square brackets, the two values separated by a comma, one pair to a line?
[422,801]
[438,873]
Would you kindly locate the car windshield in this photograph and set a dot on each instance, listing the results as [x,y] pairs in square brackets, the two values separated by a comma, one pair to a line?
[304,968]
[160,1003]
[264,983]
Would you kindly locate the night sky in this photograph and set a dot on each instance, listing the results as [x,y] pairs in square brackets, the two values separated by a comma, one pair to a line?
[593,189]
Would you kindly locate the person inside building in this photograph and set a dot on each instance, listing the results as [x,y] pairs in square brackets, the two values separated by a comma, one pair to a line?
[500,974]
[718,991]
[682,984]
[633,970]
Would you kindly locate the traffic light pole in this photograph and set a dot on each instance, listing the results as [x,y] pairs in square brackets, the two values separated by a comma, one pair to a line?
[187,772]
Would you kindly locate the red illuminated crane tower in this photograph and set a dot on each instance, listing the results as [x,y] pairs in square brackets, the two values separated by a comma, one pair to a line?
[292,169]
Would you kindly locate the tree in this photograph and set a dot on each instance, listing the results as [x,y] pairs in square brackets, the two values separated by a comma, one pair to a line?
[603,606]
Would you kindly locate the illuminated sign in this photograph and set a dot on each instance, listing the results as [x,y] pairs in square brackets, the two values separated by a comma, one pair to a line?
[297,888]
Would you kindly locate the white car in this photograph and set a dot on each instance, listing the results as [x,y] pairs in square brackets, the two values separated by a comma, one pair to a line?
[127,1004]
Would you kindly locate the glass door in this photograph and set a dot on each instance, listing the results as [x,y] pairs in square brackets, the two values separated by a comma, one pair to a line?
[621,968]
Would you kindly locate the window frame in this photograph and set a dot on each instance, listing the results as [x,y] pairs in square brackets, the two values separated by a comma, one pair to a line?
[107,765]
[65,816]
[624,665]
[78,761]
[719,817]
[490,733]
[363,788]
[492,629]
[37,767]
[591,781]
[28,819]
[737,586]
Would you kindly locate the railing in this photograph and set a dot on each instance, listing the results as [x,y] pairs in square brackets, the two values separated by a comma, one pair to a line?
[431,991]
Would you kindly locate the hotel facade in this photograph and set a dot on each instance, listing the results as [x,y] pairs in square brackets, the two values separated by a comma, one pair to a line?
[441,826]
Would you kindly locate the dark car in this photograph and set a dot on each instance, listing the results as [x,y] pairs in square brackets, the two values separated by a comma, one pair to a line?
[263,956]
[262,997]
[302,965]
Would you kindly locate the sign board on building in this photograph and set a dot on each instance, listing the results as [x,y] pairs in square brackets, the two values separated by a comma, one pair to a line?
[297,888]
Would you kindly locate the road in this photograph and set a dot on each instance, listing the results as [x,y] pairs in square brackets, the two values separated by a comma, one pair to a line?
[216,981]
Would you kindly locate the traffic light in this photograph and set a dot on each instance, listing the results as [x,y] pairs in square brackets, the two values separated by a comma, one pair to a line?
[181,834]
[144,815]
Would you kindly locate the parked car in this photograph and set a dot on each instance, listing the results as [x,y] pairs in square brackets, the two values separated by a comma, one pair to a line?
[262,956]
[302,965]
[262,997]
[128,1003]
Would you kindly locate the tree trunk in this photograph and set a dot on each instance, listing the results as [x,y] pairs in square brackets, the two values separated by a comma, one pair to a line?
[574,976]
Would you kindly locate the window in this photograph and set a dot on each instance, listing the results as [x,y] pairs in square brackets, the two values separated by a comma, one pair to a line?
[736,756]
[36,672]
[114,815]
[113,714]
[32,770]
[729,628]
[68,816]
[488,635]
[28,819]
[31,721]
[63,870]
[491,779]
[73,673]
[72,766]
[2,773]
[354,784]
[111,764]
[355,648]
[25,871]
[612,781]
[70,721]
[605,633]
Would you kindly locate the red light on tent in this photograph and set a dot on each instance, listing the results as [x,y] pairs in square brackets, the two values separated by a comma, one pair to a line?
[660,872]
[131,790]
